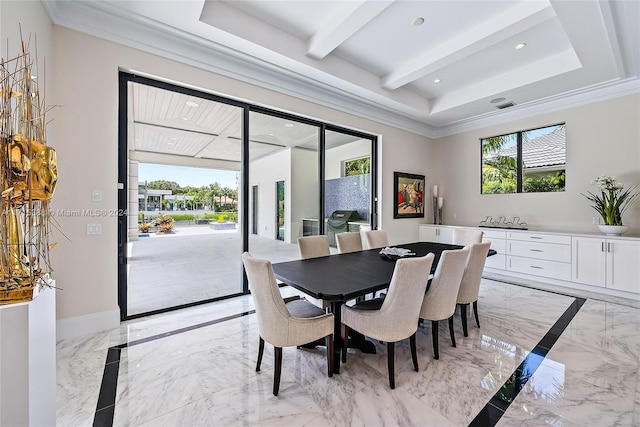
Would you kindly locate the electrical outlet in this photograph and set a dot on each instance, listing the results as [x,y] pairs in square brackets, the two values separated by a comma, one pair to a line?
[455,215]
[94,228]
[595,220]
[96,196]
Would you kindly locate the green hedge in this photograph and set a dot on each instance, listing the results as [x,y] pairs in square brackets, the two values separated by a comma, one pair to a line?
[182,217]
[221,217]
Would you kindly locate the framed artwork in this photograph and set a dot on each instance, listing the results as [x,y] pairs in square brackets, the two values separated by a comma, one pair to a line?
[408,195]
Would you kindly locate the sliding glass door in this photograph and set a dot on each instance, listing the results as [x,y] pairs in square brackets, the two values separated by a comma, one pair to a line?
[283,166]
[347,183]
[204,178]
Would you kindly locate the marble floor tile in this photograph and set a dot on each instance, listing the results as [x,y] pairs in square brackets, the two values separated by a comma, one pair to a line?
[196,367]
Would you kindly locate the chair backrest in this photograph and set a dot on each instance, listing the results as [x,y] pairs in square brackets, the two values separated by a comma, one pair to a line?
[470,284]
[271,310]
[349,242]
[401,306]
[376,239]
[440,300]
[313,246]
[466,237]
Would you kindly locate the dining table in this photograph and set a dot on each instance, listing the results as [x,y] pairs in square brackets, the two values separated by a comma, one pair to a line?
[339,278]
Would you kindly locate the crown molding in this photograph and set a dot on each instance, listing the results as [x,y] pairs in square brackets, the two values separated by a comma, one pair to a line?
[564,101]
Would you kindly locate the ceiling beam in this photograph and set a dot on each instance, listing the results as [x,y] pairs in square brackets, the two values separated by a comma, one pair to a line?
[500,27]
[545,68]
[351,17]
[188,161]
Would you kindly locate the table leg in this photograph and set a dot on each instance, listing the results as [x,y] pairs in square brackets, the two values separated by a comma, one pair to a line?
[336,309]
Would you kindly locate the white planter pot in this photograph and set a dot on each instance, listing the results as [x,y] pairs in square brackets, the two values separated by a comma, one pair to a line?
[613,230]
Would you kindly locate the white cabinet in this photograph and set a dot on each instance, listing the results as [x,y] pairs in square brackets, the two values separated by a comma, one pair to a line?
[498,244]
[538,257]
[611,263]
[565,259]
[435,233]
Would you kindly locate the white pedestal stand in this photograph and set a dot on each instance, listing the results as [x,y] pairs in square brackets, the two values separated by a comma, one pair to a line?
[28,362]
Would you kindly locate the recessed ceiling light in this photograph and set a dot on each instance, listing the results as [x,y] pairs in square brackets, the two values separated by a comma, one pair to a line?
[185,118]
[288,125]
[418,21]
[520,45]
[192,104]
[436,81]
[496,100]
[33,77]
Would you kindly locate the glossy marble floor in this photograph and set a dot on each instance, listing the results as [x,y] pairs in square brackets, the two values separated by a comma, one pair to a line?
[196,367]
[193,264]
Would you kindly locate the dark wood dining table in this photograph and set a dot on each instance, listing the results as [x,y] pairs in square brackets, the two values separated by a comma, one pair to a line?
[343,277]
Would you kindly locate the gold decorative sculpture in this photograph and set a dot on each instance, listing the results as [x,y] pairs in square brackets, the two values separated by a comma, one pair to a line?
[28,176]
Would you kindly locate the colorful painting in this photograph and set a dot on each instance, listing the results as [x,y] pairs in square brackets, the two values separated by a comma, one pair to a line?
[409,195]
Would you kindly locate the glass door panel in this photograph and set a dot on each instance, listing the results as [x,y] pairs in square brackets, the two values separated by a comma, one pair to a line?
[347,186]
[183,240]
[286,152]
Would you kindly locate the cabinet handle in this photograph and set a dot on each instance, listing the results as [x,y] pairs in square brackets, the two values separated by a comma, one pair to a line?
[535,266]
[602,247]
[534,237]
[536,250]
[609,247]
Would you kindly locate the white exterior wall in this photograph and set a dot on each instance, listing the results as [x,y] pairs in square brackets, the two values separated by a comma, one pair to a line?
[265,172]
[305,201]
[335,156]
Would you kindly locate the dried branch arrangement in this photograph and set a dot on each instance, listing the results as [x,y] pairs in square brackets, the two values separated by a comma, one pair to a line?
[28,176]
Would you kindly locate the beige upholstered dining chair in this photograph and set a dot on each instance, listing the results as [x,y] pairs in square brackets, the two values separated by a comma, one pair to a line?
[464,237]
[313,246]
[376,239]
[349,242]
[470,285]
[395,317]
[281,324]
[440,300]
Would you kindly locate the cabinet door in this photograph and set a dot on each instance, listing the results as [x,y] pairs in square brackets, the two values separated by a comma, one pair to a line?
[588,260]
[623,265]
[428,233]
[445,235]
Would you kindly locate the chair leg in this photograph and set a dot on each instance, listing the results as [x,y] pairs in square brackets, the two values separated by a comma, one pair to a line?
[414,353]
[434,335]
[391,357]
[260,353]
[475,312]
[453,336]
[277,351]
[329,342]
[463,316]
[345,342]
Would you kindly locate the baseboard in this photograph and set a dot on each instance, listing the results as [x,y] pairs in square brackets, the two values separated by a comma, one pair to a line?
[88,324]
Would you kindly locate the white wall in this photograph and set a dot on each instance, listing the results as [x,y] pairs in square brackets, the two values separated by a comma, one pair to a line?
[337,155]
[304,192]
[602,139]
[264,173]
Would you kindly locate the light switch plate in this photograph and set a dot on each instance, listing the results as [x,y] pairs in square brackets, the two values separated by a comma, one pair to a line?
[96,196]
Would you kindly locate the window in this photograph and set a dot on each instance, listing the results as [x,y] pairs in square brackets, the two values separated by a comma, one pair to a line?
[359,166]
[530,161]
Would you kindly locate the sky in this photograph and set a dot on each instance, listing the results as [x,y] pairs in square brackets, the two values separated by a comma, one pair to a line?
[184,176]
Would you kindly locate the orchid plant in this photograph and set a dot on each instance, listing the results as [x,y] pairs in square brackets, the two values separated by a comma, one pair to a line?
[613,199]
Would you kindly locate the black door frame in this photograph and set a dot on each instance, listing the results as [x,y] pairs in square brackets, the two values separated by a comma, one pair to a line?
[124,78]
